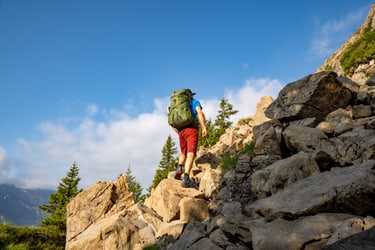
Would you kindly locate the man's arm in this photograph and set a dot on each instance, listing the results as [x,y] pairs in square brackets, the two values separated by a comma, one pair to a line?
[202,120]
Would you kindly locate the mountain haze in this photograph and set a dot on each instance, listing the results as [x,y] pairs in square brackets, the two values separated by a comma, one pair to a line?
[20,206]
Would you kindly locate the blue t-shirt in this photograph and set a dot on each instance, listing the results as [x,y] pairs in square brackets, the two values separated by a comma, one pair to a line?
[193,107]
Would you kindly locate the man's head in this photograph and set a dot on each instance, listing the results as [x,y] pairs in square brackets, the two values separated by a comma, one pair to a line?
[190,93]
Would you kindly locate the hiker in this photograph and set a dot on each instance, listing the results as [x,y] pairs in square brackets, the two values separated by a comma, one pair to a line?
[188,138]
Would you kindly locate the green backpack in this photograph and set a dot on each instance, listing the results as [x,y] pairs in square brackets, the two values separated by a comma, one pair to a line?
[179,113]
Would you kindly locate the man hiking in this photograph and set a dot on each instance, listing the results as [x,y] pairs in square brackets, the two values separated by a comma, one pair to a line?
[188,139]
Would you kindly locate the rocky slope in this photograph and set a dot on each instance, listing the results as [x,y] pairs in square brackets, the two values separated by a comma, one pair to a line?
[308,183]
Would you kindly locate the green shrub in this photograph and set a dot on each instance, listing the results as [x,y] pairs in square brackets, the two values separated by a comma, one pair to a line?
[151,247]
[229,162]
[249,148]
[244,121]
[21,246]
[29,238]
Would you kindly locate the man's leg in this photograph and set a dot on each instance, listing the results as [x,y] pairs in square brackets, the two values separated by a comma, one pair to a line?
[186,181]
[181,160]
[192,142]
[189,162]
[191,146]
[182,157]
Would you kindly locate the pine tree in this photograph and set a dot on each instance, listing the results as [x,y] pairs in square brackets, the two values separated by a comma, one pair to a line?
[167,162]
[221,124]
[222,119]
[134,186]
[58,201]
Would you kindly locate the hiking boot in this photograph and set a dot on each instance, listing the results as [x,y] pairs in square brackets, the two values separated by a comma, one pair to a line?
[178,172]
[187,182]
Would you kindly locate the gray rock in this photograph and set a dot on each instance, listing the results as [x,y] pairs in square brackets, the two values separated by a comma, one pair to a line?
[363,241]
[348,189]
[315,95]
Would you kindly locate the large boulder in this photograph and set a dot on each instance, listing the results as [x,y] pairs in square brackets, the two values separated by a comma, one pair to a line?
[315,95]
[165,199]
[348,190]
[280,174]
[95,203]
[310,232]
[104,216]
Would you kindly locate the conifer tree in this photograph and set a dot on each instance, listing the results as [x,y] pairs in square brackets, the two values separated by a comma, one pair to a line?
[134,186]
[167,162]
[221,124]
[222,119]
[56,207]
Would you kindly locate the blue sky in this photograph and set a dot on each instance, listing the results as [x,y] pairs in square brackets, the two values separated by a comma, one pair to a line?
[88,81]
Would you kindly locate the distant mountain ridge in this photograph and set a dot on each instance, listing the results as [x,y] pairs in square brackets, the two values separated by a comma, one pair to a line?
[20,206]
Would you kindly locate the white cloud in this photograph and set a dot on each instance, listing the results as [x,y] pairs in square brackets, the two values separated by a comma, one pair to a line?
[332,33]
[92,109]
[103,149]
[245,99]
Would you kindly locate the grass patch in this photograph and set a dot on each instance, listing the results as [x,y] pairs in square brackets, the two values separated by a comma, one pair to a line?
[360,52]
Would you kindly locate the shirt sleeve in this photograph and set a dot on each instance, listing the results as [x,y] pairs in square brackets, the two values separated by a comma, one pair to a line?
[194,105]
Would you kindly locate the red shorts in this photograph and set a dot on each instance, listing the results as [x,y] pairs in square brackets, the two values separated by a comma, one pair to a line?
[188,138]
